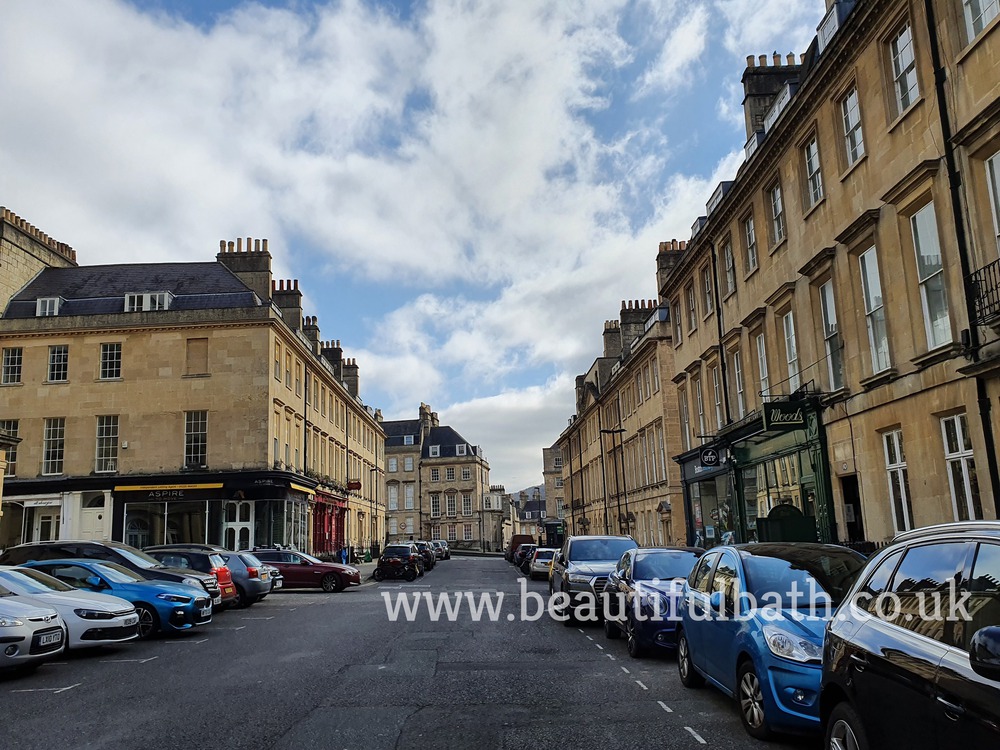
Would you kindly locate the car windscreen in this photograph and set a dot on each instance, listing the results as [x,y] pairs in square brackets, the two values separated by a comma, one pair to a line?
[800,577]
[664,566]
[136,557]
[117,573]
[397,552]
[600,550]
[31,581]
[310,558]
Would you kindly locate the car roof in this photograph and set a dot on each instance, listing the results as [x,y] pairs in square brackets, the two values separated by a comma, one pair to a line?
[646,550]
[989,528]
[601,536]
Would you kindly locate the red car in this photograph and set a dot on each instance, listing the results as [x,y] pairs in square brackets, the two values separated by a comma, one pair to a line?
[201,560]
[302,571]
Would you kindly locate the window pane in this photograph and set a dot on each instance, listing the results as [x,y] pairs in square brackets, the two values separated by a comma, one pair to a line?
[923,585]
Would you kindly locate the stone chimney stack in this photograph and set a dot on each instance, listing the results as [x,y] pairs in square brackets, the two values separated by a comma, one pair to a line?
[666,258]
[287,297]
[311,332]
[251,264]
[333,354]
[425,421]
[351,376]
[761,83]
[612,339]
[633,320]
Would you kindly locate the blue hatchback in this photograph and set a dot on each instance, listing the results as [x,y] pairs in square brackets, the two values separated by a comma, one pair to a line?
[752,624]
[161,605]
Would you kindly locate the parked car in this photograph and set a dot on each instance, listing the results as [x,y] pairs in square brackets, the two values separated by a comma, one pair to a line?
[29,634]
[752,624]
[516,541]
[898,671]
[203,561]
[129,557]
[442,545]
[91,619]
[430,559]
[161,605]
[521,553]
[252,579]
[398,561]
[537,566]
[305,571]
[642,597]
[581,568]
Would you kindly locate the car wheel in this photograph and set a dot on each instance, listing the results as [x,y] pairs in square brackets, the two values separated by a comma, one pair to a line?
[635,649]
[611,630]
[331,583]
[844,730]
[751,698]
[378,575]
[410,575]
[149,621]
[685,668]
[242,600]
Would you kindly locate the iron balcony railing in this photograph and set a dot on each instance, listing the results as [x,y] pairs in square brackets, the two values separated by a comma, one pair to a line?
[984,286]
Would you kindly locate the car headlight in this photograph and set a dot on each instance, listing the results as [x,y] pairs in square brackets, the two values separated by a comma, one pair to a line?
[176,598]
[9,622]
[577,578]
[193,582]
[656,603]
[93,614]
[790,646]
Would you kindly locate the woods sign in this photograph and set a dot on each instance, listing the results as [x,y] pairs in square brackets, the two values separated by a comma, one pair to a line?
[785,416]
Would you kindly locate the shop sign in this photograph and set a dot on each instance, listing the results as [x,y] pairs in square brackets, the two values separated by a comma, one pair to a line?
[709,456]
[785,416]
[353,485]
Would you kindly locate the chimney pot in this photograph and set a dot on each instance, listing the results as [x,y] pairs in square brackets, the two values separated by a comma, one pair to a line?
[776,58]
[790,58]
[749,61]
[265,246]
[239,244]
[222,246]
[762,61]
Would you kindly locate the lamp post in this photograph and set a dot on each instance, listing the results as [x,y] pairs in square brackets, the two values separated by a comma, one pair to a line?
[618,505]
[372,502]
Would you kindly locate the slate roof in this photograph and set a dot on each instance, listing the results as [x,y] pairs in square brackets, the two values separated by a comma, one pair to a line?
[100,290]
[395,430]
[447,439]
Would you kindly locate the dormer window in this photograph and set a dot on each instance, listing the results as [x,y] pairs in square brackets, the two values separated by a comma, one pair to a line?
[46,307]
[435,451]
[407,439]
[460,450]
[147,301]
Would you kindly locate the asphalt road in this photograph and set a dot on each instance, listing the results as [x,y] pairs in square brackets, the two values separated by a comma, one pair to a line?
[305,670]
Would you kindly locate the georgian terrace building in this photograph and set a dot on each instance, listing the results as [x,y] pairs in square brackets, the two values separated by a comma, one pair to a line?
[834,376]
[183,402]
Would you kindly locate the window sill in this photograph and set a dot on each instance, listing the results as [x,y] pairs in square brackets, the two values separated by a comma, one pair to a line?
[55,382]
[706,317]
[940,354]
[777,246]
[847,172]
[11,385]
[881,378]
[841,394]
[813,207]
[751,272]
[905,113]
[977,41]
[109,380]
[728,294]
[196,375]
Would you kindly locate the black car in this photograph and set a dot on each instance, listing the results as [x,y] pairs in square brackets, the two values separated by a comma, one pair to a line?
[399,561]
[522,552]
[126,556]
[430,558]
[912,656]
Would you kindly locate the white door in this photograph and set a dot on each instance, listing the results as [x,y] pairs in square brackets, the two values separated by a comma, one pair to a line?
[92,524]
[46,525]
[237,528]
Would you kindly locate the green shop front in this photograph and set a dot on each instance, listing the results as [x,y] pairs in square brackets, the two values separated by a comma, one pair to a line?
[765,478]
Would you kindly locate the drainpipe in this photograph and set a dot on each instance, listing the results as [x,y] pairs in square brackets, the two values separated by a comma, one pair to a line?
[723,367]
[958,217]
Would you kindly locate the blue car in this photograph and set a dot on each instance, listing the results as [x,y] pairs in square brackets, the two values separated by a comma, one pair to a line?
[752,624]
[162,606]
[642,594]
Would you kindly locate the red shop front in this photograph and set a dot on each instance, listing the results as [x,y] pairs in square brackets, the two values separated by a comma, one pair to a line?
[329,517]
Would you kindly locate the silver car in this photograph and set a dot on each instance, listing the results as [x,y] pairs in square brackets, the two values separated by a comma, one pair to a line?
[541,562]
[28,634]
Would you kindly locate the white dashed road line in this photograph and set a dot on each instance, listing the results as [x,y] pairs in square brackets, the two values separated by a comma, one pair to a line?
[639,683]
[665,707]
[696,735]
[625,671]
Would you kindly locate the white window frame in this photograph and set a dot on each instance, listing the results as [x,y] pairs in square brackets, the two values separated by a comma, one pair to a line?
[392,464]
[435,505]
[452,533]
[676,307]
[791,351]
[467,532]
[777,204]
[895,467]
[407,439]
[53,445]
[717,392]
[408,496]
[106,448]
[466,503]
[408,463]
[692,301]
[854,137]
[47,307]
[393,525]
[904,68]
[111,361]
[685,420]
[11,427]
[393,492]
[927,246]
[706,282]
[700,403]
[814,173]
[195,449]
[434,451]
[435,474]
[750,243]
[874,302]
[741,403]
[831,337]
[730,262]
[451,504]
[460,449]
[978,15]
[13,362]
[993,187]
[962,459]
[765,380]
[58,364]
[147,301]
[449,474]
[466,474]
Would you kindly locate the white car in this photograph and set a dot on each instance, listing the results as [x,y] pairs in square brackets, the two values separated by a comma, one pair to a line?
[92,619]
[28,634]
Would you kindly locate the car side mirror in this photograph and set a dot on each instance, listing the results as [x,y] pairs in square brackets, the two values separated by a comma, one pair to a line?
[94,582]
[715,600]
[984,652]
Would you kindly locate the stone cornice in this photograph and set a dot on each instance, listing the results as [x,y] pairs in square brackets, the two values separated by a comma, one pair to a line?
[859,227]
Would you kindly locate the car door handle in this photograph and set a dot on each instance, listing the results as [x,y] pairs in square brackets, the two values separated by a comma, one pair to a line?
[860,661]
[951,710]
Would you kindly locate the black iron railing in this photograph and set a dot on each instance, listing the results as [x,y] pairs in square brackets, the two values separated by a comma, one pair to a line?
[984,286]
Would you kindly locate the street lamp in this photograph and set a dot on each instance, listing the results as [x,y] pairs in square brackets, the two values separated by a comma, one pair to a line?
[372,500]
[618,431]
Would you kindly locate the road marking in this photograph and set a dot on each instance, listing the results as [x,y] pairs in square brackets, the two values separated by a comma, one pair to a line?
[46,690]
[637,682]
[625,671]
[610,657]
[665,707]
[588,637]
[696,735]
[123,661]
[599,646]
[258,618]
[194,643]
[55,664]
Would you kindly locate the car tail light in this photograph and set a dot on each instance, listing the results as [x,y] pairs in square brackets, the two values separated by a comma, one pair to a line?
[253,572]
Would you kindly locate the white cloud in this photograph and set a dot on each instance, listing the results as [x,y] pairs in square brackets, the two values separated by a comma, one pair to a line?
[681,50]
[766,26]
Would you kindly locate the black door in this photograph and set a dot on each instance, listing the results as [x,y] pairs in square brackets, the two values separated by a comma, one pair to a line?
[852,508]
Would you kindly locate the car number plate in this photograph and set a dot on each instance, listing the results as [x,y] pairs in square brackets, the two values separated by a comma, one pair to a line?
[131,620]
[277,584]
[206,612]
[217,599]
[48,638]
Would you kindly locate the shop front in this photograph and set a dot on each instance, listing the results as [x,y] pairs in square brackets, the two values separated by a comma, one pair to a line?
[329,517]
[237,513]
[764,479]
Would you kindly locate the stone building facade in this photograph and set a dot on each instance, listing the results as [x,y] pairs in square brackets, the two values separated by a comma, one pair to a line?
[616,450]
[24,251]
[437,484]
[835,366]
[183,402]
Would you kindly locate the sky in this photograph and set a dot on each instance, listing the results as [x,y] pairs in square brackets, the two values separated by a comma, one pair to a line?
[466,189]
